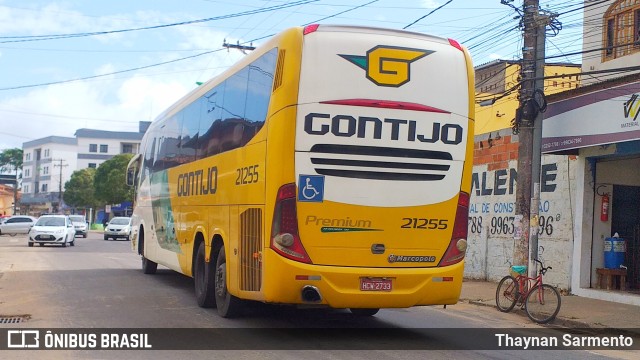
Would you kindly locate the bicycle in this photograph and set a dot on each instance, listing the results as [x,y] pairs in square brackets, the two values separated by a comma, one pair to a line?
[540,301]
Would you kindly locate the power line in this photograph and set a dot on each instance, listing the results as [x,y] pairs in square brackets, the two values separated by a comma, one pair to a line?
[431,12]
[109,74]
[222,17]
[175,60]
[342,12]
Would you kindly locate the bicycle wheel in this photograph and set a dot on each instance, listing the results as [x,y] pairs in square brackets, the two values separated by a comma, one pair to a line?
[542,304]
[506,293]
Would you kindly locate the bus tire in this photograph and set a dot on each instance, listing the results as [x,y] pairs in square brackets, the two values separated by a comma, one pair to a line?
[204,280]
[148,266]
[227,304]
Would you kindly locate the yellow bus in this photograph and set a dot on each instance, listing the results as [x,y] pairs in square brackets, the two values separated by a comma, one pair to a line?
[330,167]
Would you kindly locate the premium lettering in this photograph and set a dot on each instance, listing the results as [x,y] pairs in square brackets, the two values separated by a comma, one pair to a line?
[378,129]
[199,182]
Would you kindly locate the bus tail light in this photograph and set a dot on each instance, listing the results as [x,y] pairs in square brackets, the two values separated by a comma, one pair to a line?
[310,28]
[285,239]
[458,244]
[455,44]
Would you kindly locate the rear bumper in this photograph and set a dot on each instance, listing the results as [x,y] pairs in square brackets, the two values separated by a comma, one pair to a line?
[340,286]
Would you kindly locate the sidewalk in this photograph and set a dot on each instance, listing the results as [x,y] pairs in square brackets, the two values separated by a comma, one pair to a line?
[575,312]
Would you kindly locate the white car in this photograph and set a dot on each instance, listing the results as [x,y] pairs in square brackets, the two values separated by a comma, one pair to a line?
[81,224]
[53,229]
[18,224]
[118,227]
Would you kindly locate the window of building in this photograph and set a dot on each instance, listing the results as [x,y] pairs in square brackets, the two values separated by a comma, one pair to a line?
[127,148]
[45,187]
[27,173]
[622,29]
[93,165]
[93,147]
[46,153]
[25,189]
[45,170]
[104,148]
[27,157]
[636,29]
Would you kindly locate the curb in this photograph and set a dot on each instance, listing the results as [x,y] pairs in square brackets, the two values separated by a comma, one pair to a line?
[558,322]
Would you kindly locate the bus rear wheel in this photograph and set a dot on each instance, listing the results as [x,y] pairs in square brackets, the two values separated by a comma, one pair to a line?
[227,304]
[204,279]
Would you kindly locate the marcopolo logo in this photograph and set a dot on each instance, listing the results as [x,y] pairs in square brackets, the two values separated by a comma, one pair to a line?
[410,259]
[388,65]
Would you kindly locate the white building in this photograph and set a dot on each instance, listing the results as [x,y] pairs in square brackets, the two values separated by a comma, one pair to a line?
[49,162]
[47,165]
[97,146]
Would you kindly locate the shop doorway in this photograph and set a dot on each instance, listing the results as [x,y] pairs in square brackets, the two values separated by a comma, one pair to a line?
[625,220]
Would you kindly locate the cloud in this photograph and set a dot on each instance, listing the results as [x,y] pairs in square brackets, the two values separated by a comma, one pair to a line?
[430,4]
[115,102]
[494,56]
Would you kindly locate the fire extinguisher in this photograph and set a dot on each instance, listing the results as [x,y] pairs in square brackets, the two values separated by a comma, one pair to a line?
[604,209]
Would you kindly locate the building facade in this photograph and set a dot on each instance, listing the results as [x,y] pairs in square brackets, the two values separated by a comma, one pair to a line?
[599,124]
[590,176]
[497,85]
[493,197]
[611,41]
[6,200]
[49,162]
[47,165]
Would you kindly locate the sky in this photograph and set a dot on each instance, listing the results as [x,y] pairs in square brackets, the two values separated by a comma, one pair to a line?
[67,65]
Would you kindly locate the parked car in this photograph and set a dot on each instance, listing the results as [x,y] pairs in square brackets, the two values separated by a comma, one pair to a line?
[81,224]
[118,227]
[18,224]
[53,229]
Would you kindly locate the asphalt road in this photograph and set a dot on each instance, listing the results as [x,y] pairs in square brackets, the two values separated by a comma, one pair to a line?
[98,284]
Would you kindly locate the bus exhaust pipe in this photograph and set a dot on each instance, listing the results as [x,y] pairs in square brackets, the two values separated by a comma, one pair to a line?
[311,294]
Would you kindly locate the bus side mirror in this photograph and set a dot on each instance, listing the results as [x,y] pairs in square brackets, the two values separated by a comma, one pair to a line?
[131,177]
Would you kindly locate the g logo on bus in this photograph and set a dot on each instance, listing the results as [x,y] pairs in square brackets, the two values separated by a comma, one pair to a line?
[388,65]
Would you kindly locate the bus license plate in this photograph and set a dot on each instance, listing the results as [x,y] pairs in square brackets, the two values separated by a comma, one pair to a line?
[375,284]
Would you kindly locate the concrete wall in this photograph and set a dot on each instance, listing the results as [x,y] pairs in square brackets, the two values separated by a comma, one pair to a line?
[492,211]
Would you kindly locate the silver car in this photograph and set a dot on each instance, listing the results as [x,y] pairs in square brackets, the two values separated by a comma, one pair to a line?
[118,227]
[18,224]
[80,223]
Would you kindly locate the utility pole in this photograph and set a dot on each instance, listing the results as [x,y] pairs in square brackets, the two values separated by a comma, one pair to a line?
[60,185]
[529,129]
[242,48]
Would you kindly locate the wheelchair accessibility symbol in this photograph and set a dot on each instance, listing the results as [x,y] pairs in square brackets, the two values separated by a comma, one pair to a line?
[311,188]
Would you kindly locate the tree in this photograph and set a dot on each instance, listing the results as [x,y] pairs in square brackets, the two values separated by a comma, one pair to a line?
[11,159]
[80,191]
[110,180]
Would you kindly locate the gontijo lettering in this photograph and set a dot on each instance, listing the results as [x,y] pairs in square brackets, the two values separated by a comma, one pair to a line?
[199,182]
[378,129]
